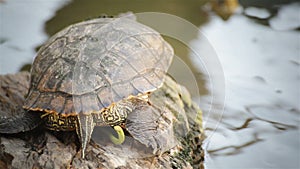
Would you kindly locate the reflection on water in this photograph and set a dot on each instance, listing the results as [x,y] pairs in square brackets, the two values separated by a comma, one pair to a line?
[287,17]
[258,49]
[77,11]
[260,124]
[279,15]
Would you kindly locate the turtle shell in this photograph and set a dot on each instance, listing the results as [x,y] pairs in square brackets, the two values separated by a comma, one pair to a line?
[90,65]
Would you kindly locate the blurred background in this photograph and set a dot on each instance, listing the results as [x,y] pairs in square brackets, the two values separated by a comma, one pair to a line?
[256,42]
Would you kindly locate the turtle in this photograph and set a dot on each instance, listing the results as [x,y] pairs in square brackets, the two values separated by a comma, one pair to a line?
[90,74]
[169,128]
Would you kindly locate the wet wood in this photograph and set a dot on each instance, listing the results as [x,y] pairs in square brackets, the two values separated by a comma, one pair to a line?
[41,148]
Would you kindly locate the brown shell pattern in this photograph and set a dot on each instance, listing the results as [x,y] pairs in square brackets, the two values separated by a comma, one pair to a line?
[89,65]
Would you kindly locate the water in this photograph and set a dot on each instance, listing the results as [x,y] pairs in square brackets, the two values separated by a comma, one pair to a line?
[21,31]
[260,124]
[258,48]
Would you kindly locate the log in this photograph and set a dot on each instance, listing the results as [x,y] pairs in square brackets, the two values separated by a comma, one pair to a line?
[30,145]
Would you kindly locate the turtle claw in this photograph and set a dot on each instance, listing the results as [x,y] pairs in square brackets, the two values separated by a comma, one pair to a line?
[121,136]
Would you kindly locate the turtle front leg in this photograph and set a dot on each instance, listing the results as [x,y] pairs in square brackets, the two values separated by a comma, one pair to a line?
[84,130]
[102,120]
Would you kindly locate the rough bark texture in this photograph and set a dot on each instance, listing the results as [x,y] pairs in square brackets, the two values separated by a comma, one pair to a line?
[40,148]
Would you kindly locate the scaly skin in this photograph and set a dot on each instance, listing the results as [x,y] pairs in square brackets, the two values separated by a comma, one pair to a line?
[84,124]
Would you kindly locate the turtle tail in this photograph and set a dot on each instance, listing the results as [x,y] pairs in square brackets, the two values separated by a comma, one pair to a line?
[84,130]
